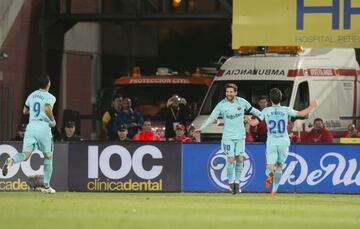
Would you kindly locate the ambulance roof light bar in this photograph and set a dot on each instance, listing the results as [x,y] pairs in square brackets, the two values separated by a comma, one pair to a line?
[251,50]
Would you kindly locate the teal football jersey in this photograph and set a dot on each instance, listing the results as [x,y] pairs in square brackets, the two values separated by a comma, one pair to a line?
[36,103]
[233,116]
[276,118]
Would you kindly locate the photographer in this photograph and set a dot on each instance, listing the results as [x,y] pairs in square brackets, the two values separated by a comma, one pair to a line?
[177,113]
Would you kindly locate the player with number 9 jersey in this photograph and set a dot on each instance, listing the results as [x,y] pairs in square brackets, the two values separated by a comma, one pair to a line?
[39,105]
[39,123]
[36,102]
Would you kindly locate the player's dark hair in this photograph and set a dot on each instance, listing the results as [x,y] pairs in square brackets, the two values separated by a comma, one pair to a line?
[275,95]
[43,82]
[231,85]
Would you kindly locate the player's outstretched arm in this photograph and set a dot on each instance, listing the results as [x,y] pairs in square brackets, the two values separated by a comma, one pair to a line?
[213,116]
[49,113]
[255,112]
[307,110]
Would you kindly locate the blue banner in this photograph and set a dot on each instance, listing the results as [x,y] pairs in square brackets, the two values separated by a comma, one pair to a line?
[309,168]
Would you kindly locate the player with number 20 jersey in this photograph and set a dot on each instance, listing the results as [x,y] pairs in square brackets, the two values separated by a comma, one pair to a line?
[278,141]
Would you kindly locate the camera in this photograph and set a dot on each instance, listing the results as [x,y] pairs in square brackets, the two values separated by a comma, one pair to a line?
[176,99]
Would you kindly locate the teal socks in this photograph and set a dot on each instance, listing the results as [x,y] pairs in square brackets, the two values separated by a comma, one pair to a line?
[238,170]
[48,168]
[230,172]
[19,157]
[276,181]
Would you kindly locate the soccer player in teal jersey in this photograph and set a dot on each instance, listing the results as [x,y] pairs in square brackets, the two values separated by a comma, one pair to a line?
[232,110]
[278,142]
[38,134]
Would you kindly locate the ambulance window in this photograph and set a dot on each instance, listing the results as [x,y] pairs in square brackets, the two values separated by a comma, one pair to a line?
[302,96]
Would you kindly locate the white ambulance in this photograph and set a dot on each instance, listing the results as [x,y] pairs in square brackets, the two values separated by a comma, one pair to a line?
[328,75]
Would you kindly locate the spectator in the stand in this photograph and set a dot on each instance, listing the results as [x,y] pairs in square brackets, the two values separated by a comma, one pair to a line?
[122,133]
[146,134]
[259,132]
[352,132]
[294,138]
[180,134]
[190,132]
[20,134]
[177,113]
[68,134]
[109,117]
[318,134]
[132,119]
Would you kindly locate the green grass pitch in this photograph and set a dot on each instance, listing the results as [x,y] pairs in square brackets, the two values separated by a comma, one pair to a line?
[177,210]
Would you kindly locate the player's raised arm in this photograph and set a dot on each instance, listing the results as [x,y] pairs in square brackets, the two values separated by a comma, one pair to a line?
[307,110]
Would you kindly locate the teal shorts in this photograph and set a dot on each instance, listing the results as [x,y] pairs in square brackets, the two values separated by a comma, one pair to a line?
[276,154]
[233,148]
[38,136]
